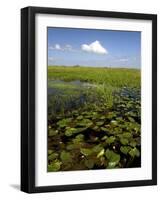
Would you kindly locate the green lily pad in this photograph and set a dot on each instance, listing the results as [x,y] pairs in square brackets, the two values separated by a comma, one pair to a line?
[124,141]
[100,123]
[50,152]
[110,139]
[104,129]
[125,149]
[54,166]
[71,131]
[97,148]
[131,119]
[95,128]
[85,122]
[64,122]
[65,156]
[53,156]
[80,117]
[86,152]
[114,123]
[53,132]
[127,135]
[104,137]
[133,143]
[89,163]
[113,158]
[134,152]
[101,153]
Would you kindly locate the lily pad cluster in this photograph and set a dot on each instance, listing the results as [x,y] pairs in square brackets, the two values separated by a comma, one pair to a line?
[97,137]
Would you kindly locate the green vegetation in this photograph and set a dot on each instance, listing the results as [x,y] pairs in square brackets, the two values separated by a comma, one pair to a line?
[93,118]
[110,76]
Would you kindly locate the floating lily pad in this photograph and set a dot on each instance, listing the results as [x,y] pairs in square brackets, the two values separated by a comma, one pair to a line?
[125,149]
[101,153]
[50,152]
[54,166]
[80,117]
[53,132]
[113,158]
[71,131]
[110,139]
[85,122]
[64,122]
[100,123]
[86,152]
[134,152]
[53,156]
[124,141]
[65,156]
[104,129]
[97,148]
[89,163]
[127,135]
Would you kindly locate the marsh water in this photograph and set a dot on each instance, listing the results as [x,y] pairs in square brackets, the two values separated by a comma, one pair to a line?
[86,133]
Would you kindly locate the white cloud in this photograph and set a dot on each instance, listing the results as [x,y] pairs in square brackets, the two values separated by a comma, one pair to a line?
[57,46]
[66,47]
[94,47]
[123,59]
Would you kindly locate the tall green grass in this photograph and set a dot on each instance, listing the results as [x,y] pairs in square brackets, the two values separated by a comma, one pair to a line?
[114,77]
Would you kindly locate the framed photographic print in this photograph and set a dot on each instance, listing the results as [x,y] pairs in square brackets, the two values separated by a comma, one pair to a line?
[88,99]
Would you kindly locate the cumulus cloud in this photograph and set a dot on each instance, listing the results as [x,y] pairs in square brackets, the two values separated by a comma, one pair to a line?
[94,47]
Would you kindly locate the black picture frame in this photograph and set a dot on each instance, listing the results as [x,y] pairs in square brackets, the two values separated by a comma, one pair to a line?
[28,98]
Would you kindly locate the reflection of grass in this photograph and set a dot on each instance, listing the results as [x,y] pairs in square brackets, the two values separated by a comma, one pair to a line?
[115,77]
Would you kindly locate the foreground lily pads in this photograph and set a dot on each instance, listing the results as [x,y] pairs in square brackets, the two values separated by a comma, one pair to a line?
[96,136]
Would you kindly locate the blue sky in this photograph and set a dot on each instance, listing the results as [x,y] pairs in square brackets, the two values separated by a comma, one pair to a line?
[91,47]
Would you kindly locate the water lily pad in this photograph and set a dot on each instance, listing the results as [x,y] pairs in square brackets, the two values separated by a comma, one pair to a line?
[114,122]
[86,152]
[110,139]
[97,148]
[124,141]
[80,117]
[53,156]
[131,119]
[134,152]
[113,158]
[53,132]
[100,123]
[64,122]
[104,129]
[101,153]
[89,163]
[104,137]
[65,156]
[127,135]
[125,149]
[71,131]
[54,166]
[133,143]
[95,128]
[85,122]
[50,152]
